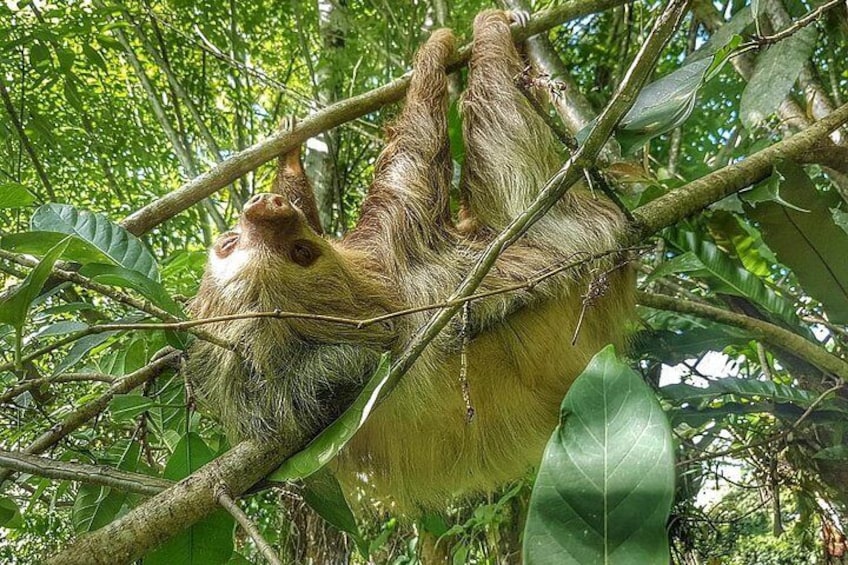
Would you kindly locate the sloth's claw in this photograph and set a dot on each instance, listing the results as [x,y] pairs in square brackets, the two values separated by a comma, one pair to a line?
[519,17]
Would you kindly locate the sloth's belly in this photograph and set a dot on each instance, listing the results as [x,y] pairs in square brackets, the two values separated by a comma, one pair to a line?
[418,448]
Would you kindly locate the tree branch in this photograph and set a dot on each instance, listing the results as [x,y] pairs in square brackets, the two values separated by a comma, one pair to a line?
[83,472]
[281,142]
[91,409]
[767,332]
[698,194]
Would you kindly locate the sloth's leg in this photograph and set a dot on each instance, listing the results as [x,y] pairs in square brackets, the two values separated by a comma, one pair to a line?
[406,211]
[509,151]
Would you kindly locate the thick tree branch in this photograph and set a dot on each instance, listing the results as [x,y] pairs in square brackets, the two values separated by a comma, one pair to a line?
[697,195]
[245,161]
[83,472]
[769,333]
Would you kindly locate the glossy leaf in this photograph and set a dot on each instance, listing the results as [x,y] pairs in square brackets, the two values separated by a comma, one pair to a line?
[15,306]
[806,239]
[15,195]
[604,489]
[112,240]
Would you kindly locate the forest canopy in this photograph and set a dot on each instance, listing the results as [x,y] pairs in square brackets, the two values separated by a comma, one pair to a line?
[133,133]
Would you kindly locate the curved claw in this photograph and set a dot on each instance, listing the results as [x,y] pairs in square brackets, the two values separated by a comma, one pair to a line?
[519,17]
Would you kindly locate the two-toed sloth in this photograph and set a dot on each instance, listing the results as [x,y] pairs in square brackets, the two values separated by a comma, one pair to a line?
[294,376]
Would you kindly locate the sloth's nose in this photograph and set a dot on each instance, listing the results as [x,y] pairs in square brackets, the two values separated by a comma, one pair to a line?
[272,199]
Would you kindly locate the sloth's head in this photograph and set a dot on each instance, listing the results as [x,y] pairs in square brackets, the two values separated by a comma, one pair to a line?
[271,235]
[275,260]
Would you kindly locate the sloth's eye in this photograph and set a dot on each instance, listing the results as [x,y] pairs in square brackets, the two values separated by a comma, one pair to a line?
[226,243]
[303,253]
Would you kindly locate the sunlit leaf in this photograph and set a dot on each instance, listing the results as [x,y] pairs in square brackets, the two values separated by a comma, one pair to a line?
[604,489]
[114,241]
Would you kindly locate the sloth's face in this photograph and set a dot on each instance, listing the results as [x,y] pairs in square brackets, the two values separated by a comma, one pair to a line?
[272,232]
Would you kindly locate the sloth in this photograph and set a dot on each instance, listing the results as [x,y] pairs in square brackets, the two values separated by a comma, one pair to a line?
[508,360]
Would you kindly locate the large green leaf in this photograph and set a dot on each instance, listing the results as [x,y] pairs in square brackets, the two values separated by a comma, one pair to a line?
[775,73]
[806,239]
[207,542]
[728,276]
[125,278]
[15,306]
[738,388]
[329,442]
[115,242]
[10,514]
[605,486]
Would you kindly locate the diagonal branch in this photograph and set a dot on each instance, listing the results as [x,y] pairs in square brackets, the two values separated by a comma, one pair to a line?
[36,162]
[769,333]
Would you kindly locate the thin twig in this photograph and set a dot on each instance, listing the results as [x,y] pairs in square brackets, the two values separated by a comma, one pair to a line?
[800,23]
[771,439]
[224,499]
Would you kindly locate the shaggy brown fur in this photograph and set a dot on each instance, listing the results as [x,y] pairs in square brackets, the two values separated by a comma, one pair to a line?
[417,450]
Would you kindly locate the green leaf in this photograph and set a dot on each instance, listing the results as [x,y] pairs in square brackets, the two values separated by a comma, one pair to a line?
[39,242]
[662,105]
[96,506]
[210,540]
[10,514]
[728,276]
[806,239]
[60,328]
[125,278]
[683,263]
[743,388]
[15,195]
[324,495]
[675,347]
[606,482]
[834,452]
[128,406]
[115,242]
[81,348]
[741,239]
[775,73]
[15,306]
[329,442]
[39,56]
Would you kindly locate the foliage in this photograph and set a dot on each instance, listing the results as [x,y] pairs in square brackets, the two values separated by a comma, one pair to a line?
[106,107]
